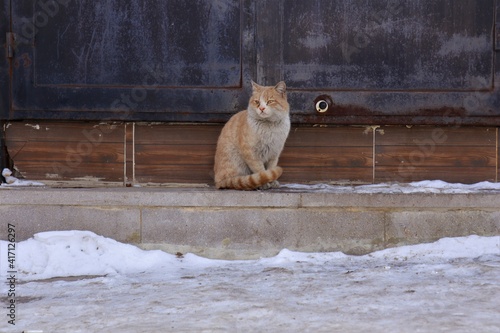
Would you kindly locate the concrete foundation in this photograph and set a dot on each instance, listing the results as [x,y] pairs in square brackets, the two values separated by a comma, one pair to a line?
[240,225]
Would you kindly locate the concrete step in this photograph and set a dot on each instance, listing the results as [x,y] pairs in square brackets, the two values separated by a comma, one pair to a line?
[239,225]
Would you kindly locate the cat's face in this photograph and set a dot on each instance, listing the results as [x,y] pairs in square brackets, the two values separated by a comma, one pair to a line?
[268,102]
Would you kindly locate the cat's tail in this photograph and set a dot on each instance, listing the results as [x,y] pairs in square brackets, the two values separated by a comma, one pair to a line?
[251,182]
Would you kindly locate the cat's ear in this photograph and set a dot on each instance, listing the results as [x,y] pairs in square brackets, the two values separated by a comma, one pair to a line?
[255,86]
[281,87]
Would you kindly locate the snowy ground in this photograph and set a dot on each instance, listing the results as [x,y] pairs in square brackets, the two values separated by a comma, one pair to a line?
[452,285]
[425,186]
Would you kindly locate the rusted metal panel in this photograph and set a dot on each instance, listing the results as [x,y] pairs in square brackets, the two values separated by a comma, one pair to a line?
[375,62]
[128,60]
[423,45]
[390,62]
[172,43]
[408,108]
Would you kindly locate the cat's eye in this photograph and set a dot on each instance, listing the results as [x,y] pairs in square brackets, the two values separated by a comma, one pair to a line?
[257,102]
[271,101]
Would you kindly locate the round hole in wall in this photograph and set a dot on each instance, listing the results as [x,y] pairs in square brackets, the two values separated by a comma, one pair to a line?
[322,106]
[323,103]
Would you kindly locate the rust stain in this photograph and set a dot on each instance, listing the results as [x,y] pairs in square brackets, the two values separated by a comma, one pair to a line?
[359,115]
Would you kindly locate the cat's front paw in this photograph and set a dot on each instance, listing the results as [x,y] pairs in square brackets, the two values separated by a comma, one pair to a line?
[273,184]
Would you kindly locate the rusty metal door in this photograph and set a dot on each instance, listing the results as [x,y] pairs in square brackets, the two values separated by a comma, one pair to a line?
[167,60]
[385,61]
[344,61]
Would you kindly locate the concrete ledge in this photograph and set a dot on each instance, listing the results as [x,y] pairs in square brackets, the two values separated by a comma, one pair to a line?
[234,224]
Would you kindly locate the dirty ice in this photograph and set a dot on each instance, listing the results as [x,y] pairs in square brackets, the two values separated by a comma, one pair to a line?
[77,281]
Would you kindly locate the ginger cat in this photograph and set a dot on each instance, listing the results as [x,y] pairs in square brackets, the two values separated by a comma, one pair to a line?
[252,140]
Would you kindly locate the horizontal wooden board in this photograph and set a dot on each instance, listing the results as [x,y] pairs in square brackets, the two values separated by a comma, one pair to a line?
[94,132]
[353,157]
[466,175]
[435,156]
[55,170]
[429,135]
[175,154]
[68,153]
[308,174]
[174,174]
[330,137]
[153,134]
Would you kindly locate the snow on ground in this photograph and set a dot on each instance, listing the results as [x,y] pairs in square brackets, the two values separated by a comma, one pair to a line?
[426,186]
[76,281]
[11,181]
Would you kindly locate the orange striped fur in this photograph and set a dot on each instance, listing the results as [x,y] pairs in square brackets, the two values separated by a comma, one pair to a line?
[252,181]
[252,140]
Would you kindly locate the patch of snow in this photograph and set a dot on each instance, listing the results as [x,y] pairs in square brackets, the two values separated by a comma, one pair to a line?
[70,253]
[426,186]
[22,183]
[444,249]
[11,181]
[451,285]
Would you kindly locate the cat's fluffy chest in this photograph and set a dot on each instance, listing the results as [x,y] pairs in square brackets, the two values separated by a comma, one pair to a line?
[269,137]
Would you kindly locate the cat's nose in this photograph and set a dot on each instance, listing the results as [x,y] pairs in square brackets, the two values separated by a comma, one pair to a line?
[262,108]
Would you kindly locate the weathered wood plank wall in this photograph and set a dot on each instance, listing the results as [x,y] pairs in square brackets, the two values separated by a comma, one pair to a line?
[146,153]
[65,151]
[451,154]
